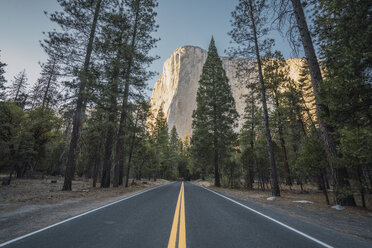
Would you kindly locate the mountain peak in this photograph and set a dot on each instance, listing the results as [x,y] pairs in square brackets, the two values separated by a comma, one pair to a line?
[177,86]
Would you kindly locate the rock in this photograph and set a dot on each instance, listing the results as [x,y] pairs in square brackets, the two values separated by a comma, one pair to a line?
[338,207]
[176,87]
[304,202]
[273,198]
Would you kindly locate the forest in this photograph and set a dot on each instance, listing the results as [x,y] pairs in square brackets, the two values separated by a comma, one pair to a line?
[88,114]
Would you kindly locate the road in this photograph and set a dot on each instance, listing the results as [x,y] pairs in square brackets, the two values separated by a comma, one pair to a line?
[184,215]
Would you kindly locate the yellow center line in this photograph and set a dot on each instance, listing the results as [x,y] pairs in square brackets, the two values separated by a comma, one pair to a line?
[182,226]
[182,233]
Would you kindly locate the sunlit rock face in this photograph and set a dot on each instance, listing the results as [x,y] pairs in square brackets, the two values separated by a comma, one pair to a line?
[176,87]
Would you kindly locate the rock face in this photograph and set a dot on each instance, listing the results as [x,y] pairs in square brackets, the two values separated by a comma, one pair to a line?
[176,87]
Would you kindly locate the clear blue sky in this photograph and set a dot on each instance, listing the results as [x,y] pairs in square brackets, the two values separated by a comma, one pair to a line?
[182,22]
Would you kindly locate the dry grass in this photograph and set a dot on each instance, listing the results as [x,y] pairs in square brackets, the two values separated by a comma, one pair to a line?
[42,191]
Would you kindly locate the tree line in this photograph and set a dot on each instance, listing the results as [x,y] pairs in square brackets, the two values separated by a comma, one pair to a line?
[87,113]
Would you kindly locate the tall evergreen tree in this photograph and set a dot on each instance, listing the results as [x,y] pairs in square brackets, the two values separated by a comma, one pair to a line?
[345,49]
[305,95]
[49,76]
[93,133]
[141,18]
[215,115]
[175,150]
[18,88]
[35,94]
[345,41]
[275,76]
[249,29]
[75,44]
[160,139]
[2,81]
[174,139]
[137,130]
[113,49]
[45,91]
[248,134]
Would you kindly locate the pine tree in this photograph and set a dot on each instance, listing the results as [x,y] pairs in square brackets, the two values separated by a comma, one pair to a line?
[345,47]
[174,137]
[174,151]
[141,16]
[322,110]
[306,95]
[93,133]
[18,88]
[161,141]
[49,85]
[249,132]
[45,91]
[137,131]
[74,44]
[139,154]
[113,49]
[249,31]
[36,94]
[2,81]
[215,114]
[275,76]
[344,38]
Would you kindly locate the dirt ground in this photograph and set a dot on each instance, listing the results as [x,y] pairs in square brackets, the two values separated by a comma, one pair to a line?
[30,204]
[355,221]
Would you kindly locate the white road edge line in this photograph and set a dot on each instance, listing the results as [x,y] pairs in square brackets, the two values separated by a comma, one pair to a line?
[268,217]
[77,216]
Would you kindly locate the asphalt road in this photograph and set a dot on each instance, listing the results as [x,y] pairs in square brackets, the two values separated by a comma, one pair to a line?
[173,215]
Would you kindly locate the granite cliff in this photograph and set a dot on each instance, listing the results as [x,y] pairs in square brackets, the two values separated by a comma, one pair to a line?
[176,87]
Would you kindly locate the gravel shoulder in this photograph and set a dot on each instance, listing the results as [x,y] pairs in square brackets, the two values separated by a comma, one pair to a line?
[354,221]
[27,205]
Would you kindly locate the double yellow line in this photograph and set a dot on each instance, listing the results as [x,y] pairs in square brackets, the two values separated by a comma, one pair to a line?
[179,216]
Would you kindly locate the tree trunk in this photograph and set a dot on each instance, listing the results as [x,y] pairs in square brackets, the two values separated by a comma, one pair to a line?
[119,157]
[106,172]
[131,151]
[340,175]
[361,186]
[274,176]
[6,181]
[250,169]
[369,175]
[324,187]
[288,179]
[106,175]
[217,182]
[79,105]
[97,162]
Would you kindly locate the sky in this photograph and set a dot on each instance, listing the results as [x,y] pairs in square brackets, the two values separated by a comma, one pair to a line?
[181,22]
